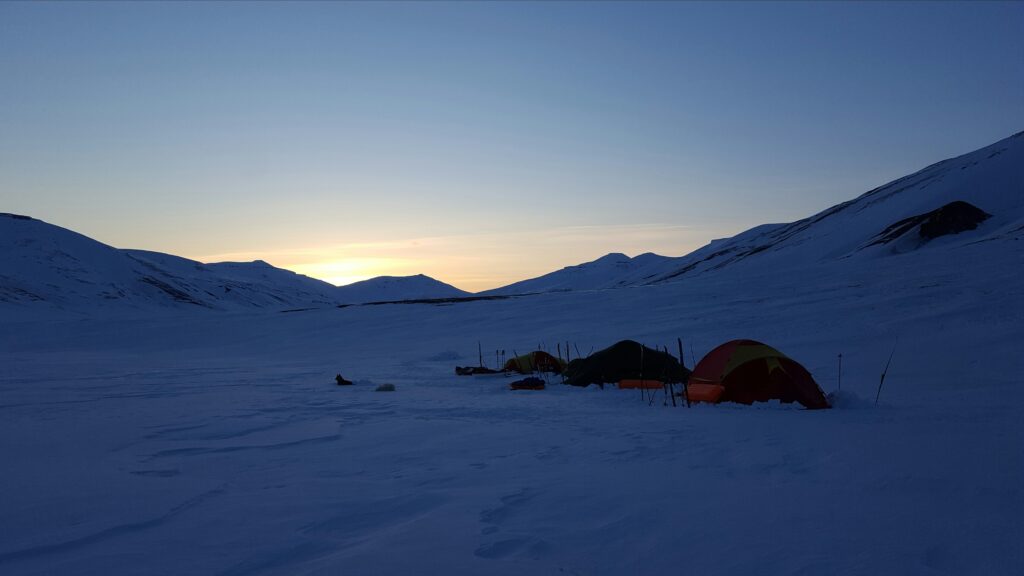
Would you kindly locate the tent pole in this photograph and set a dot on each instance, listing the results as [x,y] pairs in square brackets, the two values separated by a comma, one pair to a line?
[641,372]
[654,394]
[840,371]
[686,389]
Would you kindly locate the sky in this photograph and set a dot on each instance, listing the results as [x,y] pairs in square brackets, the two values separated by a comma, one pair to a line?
[481,143]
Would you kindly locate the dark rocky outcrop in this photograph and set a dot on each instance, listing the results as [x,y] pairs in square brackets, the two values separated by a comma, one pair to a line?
[953,218]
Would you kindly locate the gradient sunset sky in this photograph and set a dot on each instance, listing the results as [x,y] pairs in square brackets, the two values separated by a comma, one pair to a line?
[481,143]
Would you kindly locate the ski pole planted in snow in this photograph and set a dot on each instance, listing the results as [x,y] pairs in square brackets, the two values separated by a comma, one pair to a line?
[669,389]
[561,372]
[840,387]
[882,379]
[682,360]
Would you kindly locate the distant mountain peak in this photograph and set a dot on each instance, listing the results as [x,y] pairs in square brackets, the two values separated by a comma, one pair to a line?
[397,288]
[611,257]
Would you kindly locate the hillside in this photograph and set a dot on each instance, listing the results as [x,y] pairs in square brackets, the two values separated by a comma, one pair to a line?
[50,267]
[395,288]
[976,197]
[610,271]
[882,222]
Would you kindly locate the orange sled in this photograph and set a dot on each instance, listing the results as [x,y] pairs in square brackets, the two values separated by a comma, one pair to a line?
[709,393]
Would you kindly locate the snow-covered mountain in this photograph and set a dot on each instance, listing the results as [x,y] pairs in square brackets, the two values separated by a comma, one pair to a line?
[395,288]
[609,271]
[976,197]
[50,266]
[46,266]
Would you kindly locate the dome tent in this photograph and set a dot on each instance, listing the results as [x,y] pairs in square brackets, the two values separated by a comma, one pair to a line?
[749,371]
[622,361]
[537,361]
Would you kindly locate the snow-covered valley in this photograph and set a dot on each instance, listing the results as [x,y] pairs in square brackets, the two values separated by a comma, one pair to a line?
[218,443]
[176,438]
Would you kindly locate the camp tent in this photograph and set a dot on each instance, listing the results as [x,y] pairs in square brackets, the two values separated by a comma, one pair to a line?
[752,372]
[538,361]
[621,361]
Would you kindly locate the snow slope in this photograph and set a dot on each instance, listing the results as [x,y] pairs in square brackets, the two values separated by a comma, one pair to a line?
[610,271]
[46,268]
[395,288]
[991,179]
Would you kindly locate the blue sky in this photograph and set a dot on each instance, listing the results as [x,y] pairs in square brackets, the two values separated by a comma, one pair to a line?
[481,143]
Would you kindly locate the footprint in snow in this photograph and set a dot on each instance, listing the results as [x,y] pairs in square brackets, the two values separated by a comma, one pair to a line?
[509,504]
[156,473]
[528,547]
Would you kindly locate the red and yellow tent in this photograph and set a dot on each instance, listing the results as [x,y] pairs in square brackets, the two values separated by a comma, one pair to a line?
[747,371]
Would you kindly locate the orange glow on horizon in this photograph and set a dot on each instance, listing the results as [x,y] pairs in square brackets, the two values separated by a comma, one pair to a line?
[475,262]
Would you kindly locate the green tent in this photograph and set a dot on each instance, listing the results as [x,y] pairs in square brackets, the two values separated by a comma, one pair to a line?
[538,361]
[622,361]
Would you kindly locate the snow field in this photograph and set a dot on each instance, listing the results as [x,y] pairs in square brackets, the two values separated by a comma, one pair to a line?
[219,444]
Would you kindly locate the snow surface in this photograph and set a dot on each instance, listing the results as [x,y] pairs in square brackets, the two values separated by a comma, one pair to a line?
[219,444]
[190,440]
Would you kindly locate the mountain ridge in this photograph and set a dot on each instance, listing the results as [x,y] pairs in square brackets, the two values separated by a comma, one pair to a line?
[999,191]
[41,263]
[45,264]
